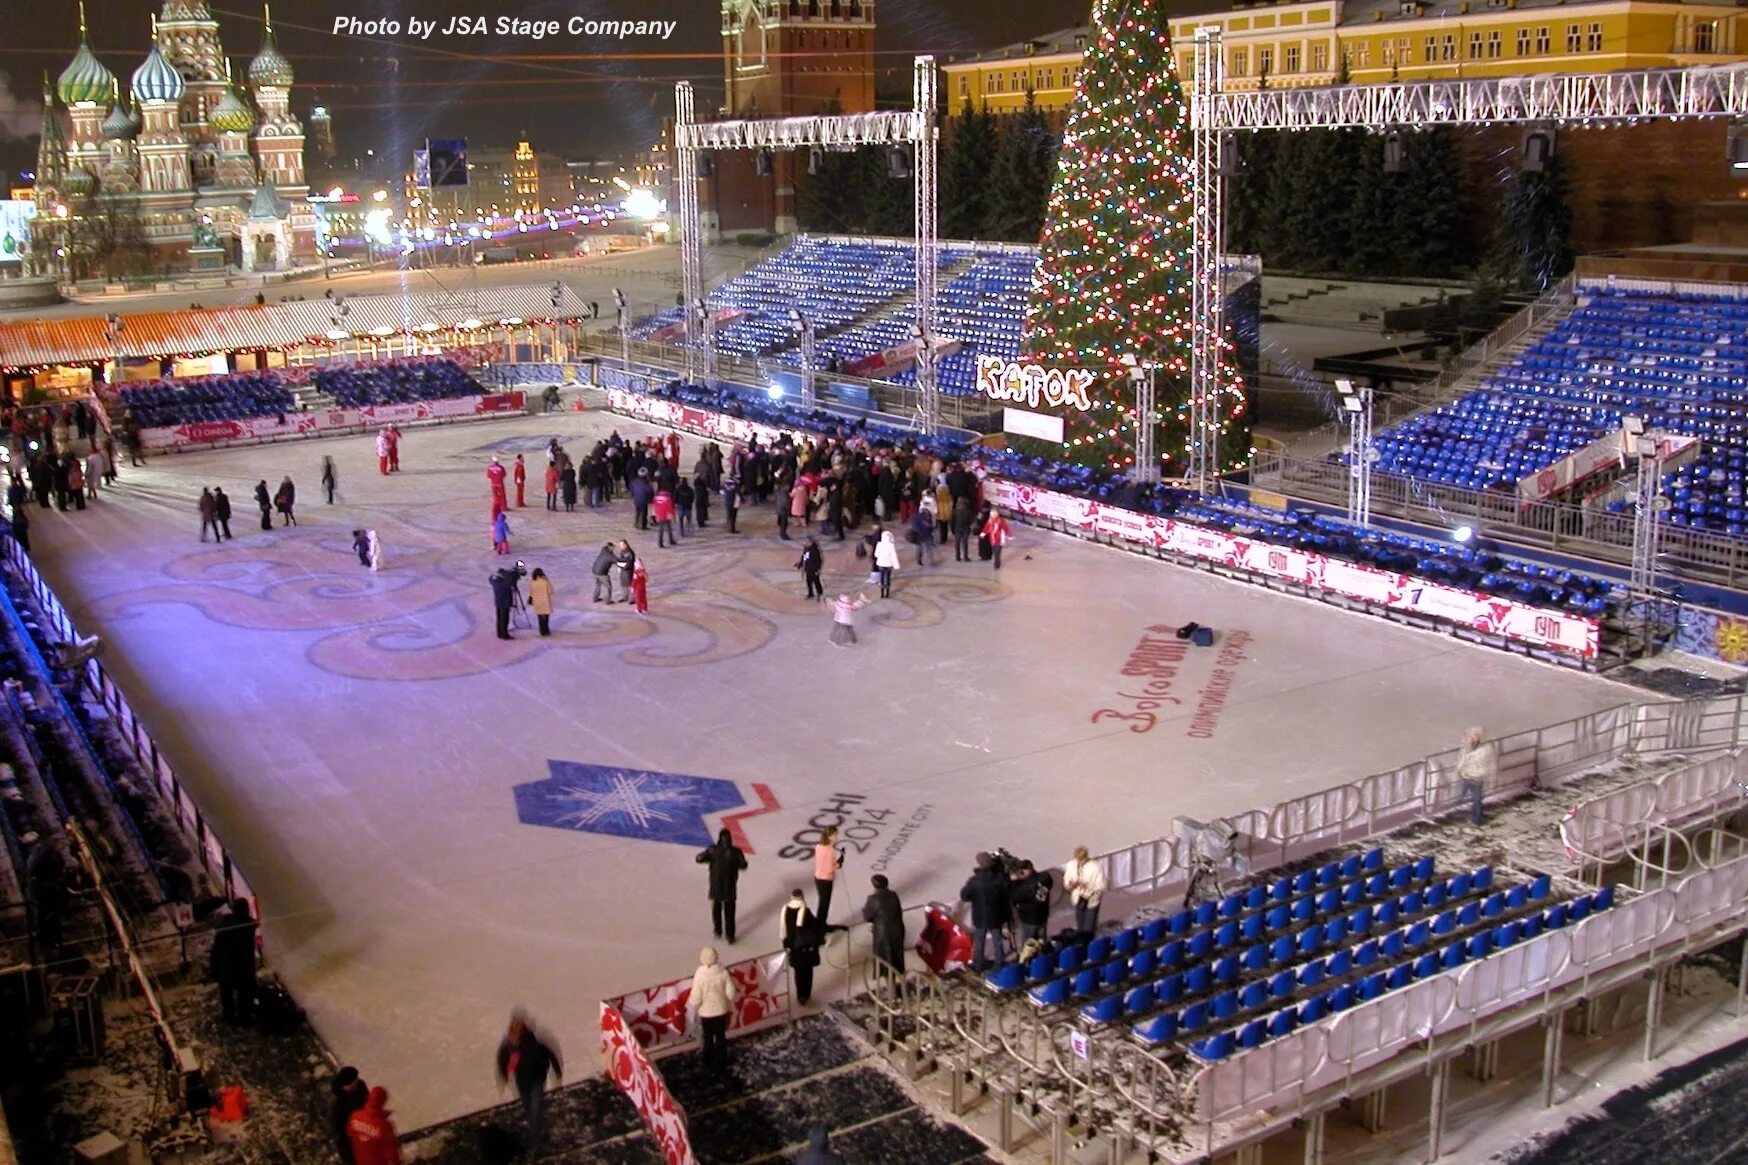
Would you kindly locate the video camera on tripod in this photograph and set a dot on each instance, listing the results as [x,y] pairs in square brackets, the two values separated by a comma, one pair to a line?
[1209,847]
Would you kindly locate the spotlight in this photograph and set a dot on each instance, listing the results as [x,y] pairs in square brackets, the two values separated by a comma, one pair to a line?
[1393,161]
[1737,148]
[762,163]
[897,163]
[1538,147]
[1463,534]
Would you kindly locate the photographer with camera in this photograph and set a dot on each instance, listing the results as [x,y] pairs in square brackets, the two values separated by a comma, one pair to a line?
[505,594]
[1030,889]
[987,891]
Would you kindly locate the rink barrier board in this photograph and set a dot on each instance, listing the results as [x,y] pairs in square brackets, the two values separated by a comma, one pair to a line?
[327,422]
[1249,559]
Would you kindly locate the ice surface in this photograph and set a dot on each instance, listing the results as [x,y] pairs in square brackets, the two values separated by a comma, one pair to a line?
[357,739]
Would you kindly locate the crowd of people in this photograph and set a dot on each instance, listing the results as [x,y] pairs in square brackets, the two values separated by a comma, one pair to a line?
[825,490]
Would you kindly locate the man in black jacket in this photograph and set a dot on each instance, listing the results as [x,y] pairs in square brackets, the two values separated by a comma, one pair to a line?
[350,1093]
[1030,891]
[527,1061]
[641,494]
[221,502]
[503,594]
[884,910]
[987,891]
[603,572]
[726,861]
[233,963]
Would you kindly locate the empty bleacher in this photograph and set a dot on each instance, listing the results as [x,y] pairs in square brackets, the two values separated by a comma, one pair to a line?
[197,399]
[404,381]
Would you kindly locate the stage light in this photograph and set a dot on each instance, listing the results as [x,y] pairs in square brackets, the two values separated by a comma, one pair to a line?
[1463,534]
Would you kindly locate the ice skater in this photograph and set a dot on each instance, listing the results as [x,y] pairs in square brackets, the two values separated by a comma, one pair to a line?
[844,610]
[495,475]
[640,588]
[500,532]
[285,501]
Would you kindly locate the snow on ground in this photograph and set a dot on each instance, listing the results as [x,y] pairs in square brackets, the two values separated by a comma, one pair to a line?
[358,740]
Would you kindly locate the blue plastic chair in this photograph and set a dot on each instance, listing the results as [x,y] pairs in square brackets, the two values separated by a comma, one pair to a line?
[1313,1009]
[1401,877]
[1198,978]
[1557,914]
[1224,1006]
[1530,927]
[1387,913]
[1194,1016]
[1172,953]
[1040,968]
[1426,965]
[1215,1047]
[1050,994]
[1366,953]
[1127,941]
[1539,888]
[1334,931]
[1401,975]
[1377,885]
[1103,1010]
[1255,898]
[1423,868]
[1360,921]
[1340,963]
[1181,922]
[1252,928]
[1226,969]
[1170,989]
[1086,982]
[1305,881]
[1069,958]
[1313,973]
[1412,902]
[1255,958]
[1310,939]
[1353,893]
[1006,978]
[1374,859]
[1517,897]
[1445,922]
[1252,1034]
[1201,943]
[1419,934]
[1253,995]
[1282,889]
[1283,984]
[1304,909]
[1493,906]
[1470,913]
[1350,866]
[1227,935]
[1139,999]
[1480,945]
[1602,899]
[1454,955]
[1282,1022]
[1098,950]
[1579,908]
[1278,917]
[1458,885]
[1142,965]
[1329,901]
[1204,913]
[1435,895]
[1158,1030]
[1155,931]
[1114,972]
[1506,935]
[1328,873]
[1341,999]
[1481,880]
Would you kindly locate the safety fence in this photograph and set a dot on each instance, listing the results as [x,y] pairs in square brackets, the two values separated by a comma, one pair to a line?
[1603,828]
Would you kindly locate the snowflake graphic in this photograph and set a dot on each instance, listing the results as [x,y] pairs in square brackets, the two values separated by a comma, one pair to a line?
[634,803]
[1731,640]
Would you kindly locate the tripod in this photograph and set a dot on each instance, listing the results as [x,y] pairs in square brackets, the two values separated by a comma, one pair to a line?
[519,611]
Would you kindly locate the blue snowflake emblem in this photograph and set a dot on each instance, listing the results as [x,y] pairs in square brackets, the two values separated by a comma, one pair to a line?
[634,803]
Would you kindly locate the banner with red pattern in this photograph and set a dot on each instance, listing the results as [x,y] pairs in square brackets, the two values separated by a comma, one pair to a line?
[657,1015]
[1355,580]
[703,422]
[330,420]
[631,1070]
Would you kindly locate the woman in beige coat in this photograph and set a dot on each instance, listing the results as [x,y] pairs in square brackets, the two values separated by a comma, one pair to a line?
[540,599]
[713,994]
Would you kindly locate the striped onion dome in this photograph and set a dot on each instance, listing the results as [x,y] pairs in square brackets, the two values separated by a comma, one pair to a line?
[185,10]
[270,66]
[231,115]
[157,79]
[85,79]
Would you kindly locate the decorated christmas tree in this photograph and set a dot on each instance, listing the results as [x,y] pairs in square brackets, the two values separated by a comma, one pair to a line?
[1113,274]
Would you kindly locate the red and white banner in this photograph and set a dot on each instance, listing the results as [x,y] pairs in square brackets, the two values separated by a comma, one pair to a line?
[1382,588]
[631,1070]
[675,331]
[1369,584]
[703,422]
[1603,453]
[657,1015]
[308,424]
[897,357]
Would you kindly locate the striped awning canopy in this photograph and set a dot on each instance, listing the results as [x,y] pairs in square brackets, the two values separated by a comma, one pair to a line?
[86,339]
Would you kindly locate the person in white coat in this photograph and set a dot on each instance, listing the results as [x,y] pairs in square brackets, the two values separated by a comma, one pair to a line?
[713,994]
[1477,768]
[383,444]
[1084,879]
[885,562]
[375,550]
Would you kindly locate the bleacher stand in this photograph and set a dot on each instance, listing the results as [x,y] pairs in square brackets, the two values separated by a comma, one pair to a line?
[408,381]
[196,399]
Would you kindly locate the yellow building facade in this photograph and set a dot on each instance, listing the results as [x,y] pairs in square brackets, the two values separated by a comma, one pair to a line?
[1282,45]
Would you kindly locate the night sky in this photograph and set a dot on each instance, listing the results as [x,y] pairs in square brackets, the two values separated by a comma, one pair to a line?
[579,96]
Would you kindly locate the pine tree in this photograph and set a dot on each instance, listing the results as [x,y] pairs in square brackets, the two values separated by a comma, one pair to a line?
[1247,194]
[1114,264]
[1534,245]
[829,201]
[1368,222]
[1024,166]
[1433,237]
[966,164]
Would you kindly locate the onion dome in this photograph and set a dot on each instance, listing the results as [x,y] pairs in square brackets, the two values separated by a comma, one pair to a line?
[120,125]
[231,115]
[85,79]
[269,66]
[77,182]
[157,79]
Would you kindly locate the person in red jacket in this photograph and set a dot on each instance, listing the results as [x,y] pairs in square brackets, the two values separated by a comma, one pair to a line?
[372,1134]
[394,448]
[996,530]
[640,589]
[661,508]
[521,476]
[552,485]
[495,474]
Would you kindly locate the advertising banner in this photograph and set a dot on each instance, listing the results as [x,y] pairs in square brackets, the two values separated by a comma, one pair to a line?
[631,1070]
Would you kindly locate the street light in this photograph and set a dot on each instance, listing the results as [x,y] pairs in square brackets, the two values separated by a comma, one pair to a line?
[1142,380]
[624,329]
[805,327]
[1356,402]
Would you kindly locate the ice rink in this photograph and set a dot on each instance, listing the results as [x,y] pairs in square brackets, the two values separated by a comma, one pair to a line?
[441,825]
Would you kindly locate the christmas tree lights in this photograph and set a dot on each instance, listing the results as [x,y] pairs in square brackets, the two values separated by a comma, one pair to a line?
[1114,272]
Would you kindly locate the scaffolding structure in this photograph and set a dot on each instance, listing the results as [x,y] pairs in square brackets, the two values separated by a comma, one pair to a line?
[914,128]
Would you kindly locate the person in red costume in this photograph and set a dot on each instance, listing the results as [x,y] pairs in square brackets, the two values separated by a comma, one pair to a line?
[394,448]
[372,1134]
[521,478]
[495,475]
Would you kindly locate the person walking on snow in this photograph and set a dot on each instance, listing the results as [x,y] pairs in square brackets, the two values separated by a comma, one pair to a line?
[373,1136]
[361,546]
[799,933]
[712,999]
[330,479]
[382,451]
[525,1059]
[394,448]
[726,861]
[605,563]
[520,475]
[811,563]
[884,910]
[844,610]
[661,508]
[501,532]
[495,475]
[552,486]
[265,502]
[221,511]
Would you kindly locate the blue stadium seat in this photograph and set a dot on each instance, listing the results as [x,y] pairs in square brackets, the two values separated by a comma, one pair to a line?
[1329,901]
[1201,943]
[1423,868]
[1401,975]
[1458,885]
[1154,932]
[1070,957]
[1050,994]
[1313,1009]
[1419,934]
[1252,1034]
[1388,911]
[1310,939]
[1579,908]
[1426,966]
[1172,953]
[1374,859]
[1086,982]
[1283,1022]
[1353,893]
[1194,1016]
[1340,963]
[1350,866]
[1277,918]
[1530,926]
[1470,913]
[1401,877]
[1181,922]
[1253,995]
[1170,989]
[1493,906]
[1453,956]
[1127,941]
[1226,969]
[1366,953]
[1105,1010]
[1360,921]
[1204,913]
[1517,897]
[1539,888]
[1506,935]
[1223,1006]
[1198,978]
[1377,885]
[1372,986]
[1216,1047]
[1304,909]
[1139,999]
[1435,896]
[1481,880]
[1603,898]
[1255,958]
[1393,944]
[1313,973]
[1158,1030]
[1256,898]
[1556,915]
[1334,931]
[1231,906]
[1281,890]
[1341,998]
[1040,968]
[1445,922]
[1328,874]
[1006,978]
[1226,935]
[1282,949]
[1114,972]
[1282,984]
[1305,881]
[1480,945]
[1411,903]
[1098,950]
